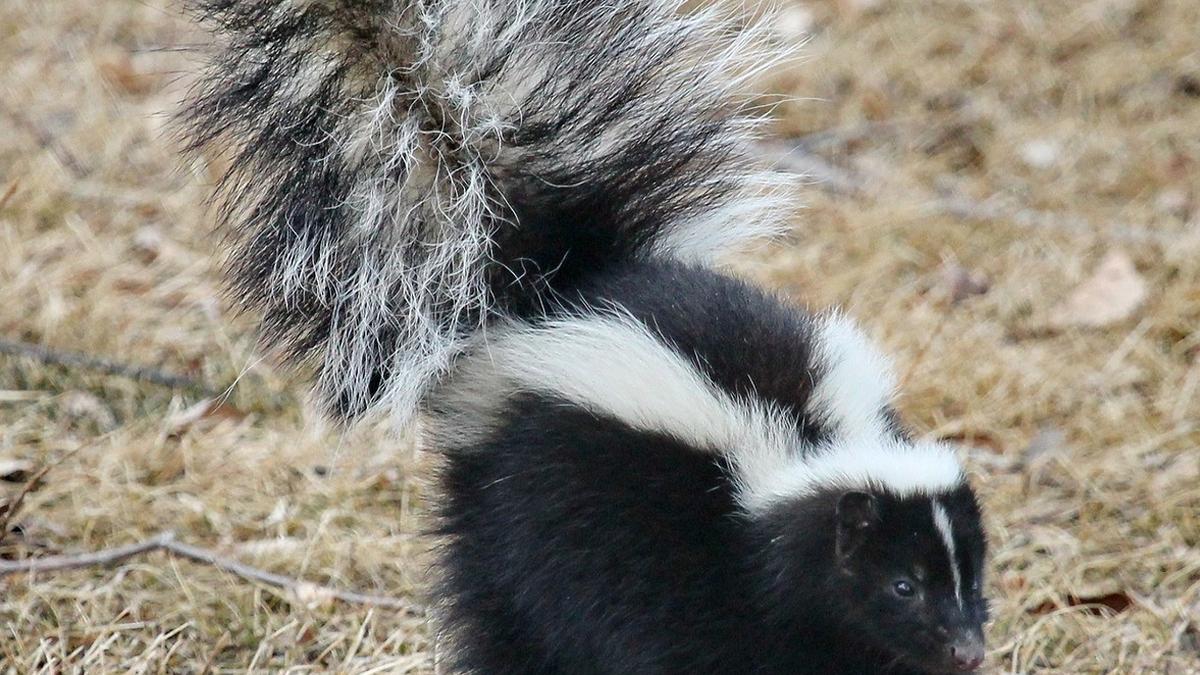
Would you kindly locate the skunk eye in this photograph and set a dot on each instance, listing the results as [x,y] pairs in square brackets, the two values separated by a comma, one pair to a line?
[903,589]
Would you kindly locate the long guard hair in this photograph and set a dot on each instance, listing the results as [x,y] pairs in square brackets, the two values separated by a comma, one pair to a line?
[404,170]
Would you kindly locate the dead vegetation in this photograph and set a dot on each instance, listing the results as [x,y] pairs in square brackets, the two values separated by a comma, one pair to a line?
[1009,201]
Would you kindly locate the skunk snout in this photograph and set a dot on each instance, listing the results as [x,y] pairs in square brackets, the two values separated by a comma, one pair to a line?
[966,653]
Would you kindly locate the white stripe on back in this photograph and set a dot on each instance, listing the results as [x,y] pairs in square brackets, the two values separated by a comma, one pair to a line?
[614,365]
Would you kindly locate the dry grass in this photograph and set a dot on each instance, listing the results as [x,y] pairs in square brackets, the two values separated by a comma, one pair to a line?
[1079,120]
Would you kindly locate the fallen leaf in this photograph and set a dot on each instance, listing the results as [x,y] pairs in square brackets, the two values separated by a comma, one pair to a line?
[1112,294]
[958,283]
[15,470]
[118,69]
[1037,458]
[210,410]
[1099,605]
[976,439]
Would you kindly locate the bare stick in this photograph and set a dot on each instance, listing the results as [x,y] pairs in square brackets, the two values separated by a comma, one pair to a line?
[956,204]
[108,556]
[108,366]
[303,588]
[167,542]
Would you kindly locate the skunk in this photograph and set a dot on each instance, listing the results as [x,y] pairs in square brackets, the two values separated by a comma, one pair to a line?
[502,218]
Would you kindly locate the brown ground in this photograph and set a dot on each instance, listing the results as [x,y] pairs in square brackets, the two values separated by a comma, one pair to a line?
[1022,142]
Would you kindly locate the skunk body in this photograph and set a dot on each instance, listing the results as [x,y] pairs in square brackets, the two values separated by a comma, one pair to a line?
[501,213]
[701,481]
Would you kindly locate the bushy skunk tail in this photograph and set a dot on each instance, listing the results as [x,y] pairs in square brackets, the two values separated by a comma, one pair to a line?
[404,170]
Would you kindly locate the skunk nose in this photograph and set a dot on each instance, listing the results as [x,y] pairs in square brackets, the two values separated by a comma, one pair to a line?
[967,654]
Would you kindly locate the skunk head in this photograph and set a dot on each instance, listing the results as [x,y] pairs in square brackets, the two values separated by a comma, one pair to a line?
[901,575]
[909,573]
[877,534]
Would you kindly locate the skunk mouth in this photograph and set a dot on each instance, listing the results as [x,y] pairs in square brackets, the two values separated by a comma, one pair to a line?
[961,653]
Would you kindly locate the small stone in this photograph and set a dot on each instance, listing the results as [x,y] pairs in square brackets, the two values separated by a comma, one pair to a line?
[1041,154]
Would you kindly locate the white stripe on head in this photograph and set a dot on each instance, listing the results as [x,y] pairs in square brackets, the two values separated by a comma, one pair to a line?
[942,520]
[613,365]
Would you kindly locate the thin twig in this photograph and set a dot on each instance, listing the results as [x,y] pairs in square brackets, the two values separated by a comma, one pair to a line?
[950,202]
[108,366]
[814,168]
[843,135]
[47,142]
[943,320]
[166,542]
[9,192]
[222,643]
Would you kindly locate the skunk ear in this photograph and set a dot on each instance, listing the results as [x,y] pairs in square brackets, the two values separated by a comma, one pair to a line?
[857,513]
